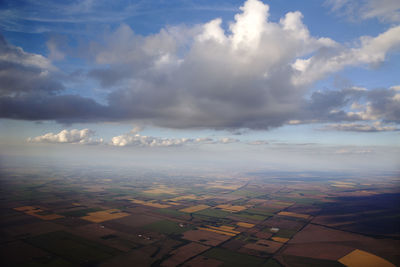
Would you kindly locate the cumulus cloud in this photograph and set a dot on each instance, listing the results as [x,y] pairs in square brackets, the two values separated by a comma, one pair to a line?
[253,75]
[384,10]
[74,136]
[134,138]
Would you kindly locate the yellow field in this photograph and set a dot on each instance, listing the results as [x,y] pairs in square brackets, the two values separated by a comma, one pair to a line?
[231,208]
[195,208]
[295,215]
[104,215]
[223,230]
[360,258]
[149,203]
[245,225]
[280,239]
[33,211]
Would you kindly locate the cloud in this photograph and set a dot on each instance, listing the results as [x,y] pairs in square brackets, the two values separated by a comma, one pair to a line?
[371,50]
[23,73]
[253,75]
[258,142]
[352,104]
[147,141]
[73,136]
[387,11]
[358,127]
[353,151]
[133,138]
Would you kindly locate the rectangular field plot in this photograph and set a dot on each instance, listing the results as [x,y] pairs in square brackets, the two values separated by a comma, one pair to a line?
[167,227]
[105,215]
[72,248]
[233,259]
[195,208]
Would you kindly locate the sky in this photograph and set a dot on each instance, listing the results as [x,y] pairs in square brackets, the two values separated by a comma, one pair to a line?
[272,84]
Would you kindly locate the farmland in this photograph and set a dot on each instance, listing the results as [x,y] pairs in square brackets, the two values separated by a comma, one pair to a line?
[89,219]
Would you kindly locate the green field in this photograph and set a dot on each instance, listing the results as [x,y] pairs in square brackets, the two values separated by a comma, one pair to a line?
[285,233]
[252,216]
[166,227]
[213,213]
[247,193]
[173,213]
[233,259]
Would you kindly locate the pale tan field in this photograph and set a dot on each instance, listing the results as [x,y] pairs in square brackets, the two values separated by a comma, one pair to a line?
[161,189]
[105,215]
[231,208]
[222,185]
[342,185]
[360,258]
[245,225]
[149,203]
[295,215]
[194,208]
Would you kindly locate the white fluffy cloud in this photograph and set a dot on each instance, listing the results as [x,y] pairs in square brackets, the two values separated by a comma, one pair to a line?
[372,50]
[133,138]
[84,136]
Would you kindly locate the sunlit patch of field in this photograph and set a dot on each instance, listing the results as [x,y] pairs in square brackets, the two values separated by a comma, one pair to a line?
[195,208]
[280,239]
[191,197]
[343,184]
[149,203]
[223,229]
[231,208]
[223,185]
[35,211]
[245,225]
[104,215]
[293,214]
[161,189]
[360,258]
